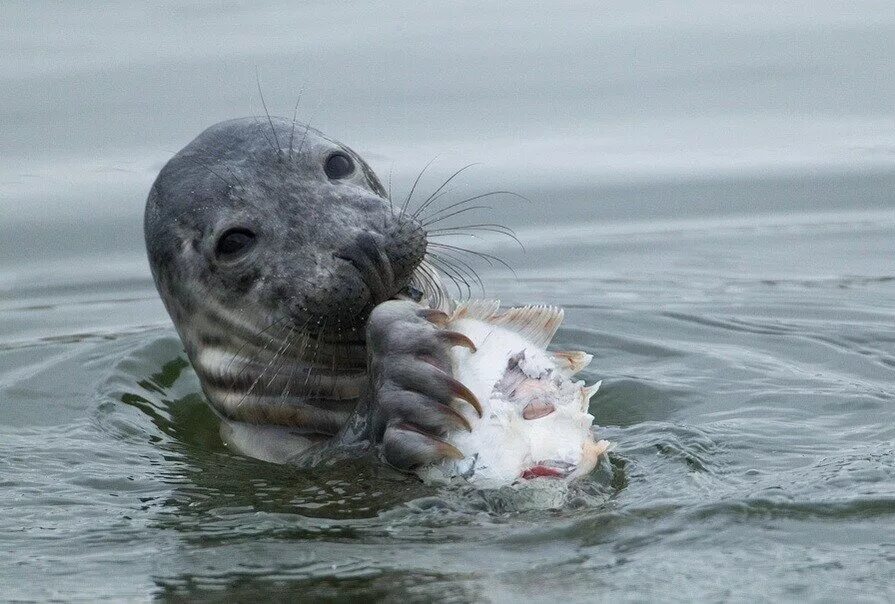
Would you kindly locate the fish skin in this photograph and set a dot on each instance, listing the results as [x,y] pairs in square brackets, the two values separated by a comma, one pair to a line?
[534,422]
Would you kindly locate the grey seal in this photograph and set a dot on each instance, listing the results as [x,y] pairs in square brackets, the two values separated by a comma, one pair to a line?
[279,257]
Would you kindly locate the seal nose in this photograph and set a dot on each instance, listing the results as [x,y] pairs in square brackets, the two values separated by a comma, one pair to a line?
[404,242]
[367,256]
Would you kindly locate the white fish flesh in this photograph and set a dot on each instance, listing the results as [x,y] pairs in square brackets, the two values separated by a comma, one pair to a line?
[535,421]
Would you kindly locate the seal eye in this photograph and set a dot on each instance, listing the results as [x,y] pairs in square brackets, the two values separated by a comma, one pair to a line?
[233,243]
[338,165]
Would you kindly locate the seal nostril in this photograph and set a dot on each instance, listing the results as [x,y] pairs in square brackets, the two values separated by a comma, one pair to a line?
[367,256]
[350,259]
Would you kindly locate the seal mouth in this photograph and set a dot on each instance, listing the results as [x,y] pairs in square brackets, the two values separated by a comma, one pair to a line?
[373,265]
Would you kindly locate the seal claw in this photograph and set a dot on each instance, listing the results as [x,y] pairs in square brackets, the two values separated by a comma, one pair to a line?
[448,450]
[455,338]
[464,393]
[406,446]
[433,315]
[458,418]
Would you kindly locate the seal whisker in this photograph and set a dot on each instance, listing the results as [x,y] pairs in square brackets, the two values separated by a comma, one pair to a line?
[464,267]
[415,183]
[246,343]
[332,369]
[284,359]
[456,213]
[473,235]
[285,392]
[316,349]
[202,164]
[257,379]
[282,356]
[294,115]
[487,227]
[485,256]
[286,389]
[268,342]
[429,280]
[304,137]
[262,132]
[455,278]
[429,219]
[439,297]
[467,268]
[317,385]
[229,171]
[432,284]
[300,356]
[233,174]
[451,273]
[226,167]
[422,281]
[479,225]
[391,205]
[443,260]
[444,193]
[489,258]
[273,130]
[429,200]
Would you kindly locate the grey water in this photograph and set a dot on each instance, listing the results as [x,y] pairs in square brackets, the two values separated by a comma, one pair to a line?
[711,189]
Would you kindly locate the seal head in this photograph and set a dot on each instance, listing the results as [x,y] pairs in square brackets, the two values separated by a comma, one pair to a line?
[270,244]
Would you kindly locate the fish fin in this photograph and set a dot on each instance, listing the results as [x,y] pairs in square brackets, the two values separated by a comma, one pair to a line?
[587,393]
[483,310]
[570,362]
[537,324]
[591,451]
[601,447]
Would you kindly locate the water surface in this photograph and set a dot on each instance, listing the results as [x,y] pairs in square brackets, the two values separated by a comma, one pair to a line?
[711,203]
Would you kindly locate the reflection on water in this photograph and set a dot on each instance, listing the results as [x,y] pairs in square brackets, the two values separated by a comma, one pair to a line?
[712,205]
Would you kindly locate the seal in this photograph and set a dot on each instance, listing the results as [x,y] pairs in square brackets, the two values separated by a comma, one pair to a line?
[275,250]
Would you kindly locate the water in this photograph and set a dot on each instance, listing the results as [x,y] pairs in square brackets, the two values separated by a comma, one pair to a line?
[712,205]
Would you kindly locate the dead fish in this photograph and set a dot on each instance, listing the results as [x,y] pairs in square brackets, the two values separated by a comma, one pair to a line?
[535,421]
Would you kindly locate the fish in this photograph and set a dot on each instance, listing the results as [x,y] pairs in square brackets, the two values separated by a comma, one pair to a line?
[535,422]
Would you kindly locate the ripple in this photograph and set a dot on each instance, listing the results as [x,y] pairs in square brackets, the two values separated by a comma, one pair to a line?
[751,415]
